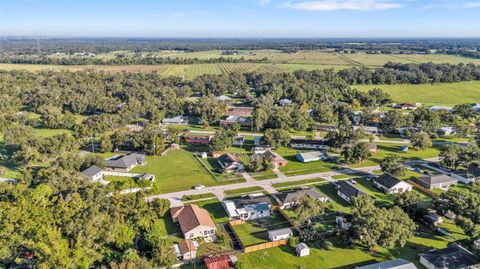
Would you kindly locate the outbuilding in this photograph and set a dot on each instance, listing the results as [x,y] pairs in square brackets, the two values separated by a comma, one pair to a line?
[280,234]
[302,250]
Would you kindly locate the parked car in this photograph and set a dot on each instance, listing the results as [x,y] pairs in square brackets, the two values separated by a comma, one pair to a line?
[199,187]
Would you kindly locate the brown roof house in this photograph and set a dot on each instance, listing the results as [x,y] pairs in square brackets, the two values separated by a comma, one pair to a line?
[276,159]
[195,222]
[186,249]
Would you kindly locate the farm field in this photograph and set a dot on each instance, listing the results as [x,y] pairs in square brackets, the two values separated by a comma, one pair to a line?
[449,94]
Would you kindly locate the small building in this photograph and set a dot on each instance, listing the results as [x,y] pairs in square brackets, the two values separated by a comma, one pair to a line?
[391,184]
[468,175]
[302,250]
[320,144]
[343,222]
[438,181]
[195,222]
[230,163]
[178,120]
[404,148]
[368,129]
[223,98]
[410,106]
[218,262]
[275,235]
[204,155]
[198,140]
[240,111]
[440,108]
[94,173]
[276,159]
[285,102]
[453,257]
[288,199]
[391,264]
[446,131]
[261,150]
[347,190]
[147,177]
[231,120]
[312,156]
[239,141]
[326,128]
[125,163]
[186,249]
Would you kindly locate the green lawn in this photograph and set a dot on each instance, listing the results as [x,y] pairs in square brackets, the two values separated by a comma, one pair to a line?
[338,204]
[215,208]
[244,191]
[267,174]
[255,232]
[296,183]
[186,198]
[430,94]
[178,170]
[295,167]
[385,149]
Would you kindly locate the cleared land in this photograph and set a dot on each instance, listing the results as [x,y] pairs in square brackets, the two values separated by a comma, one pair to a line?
[431,94]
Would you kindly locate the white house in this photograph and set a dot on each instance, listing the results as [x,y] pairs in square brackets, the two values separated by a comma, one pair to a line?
[309,144]
[312,156]
[280,234]
[440,108]
[391,184]
[94,173]
[302,250]
[186,249]
[180,120]
[447,130]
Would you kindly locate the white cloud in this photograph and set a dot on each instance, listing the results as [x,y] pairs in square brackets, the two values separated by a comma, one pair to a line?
[264,2]
[329,5]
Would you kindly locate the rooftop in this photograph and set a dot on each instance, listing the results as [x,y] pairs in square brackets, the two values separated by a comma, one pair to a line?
[451,257]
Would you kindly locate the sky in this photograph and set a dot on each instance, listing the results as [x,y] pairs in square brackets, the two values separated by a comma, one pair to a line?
[241,18]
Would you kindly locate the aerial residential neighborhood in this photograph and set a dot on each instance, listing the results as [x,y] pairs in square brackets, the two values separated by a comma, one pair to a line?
[240,134]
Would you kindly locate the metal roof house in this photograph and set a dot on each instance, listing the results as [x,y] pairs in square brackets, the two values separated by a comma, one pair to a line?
[230,163]
[288,199]
[94,173]
[312,156]
[309,144]
[391,264]
[391,184]
[179,120]
[347,191]
[439,181]
[125,163]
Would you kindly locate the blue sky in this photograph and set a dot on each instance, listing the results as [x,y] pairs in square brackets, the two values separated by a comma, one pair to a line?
[241,18]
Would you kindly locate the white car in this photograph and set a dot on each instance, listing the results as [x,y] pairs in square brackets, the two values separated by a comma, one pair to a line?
[199,187]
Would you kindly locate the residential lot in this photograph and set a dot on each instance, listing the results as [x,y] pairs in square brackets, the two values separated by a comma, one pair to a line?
[255,231]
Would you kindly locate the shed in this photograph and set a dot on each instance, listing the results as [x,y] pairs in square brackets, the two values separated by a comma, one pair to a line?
[302,250]
[275,235]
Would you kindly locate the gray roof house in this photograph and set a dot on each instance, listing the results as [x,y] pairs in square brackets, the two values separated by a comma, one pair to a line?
[180,120]
[94,173]
[312,156]
[391,184]
[275,235]
[125,163]
[230,163]
[288,199]
[347,190]
[438,181]
[453,257]
[391,264]
[309,144]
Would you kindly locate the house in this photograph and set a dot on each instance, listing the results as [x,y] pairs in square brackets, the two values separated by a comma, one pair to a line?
[391,184]
[302,250]
[446,131]
[223,98]
[343,222]
[347,190]
[261,150]
[466,176]
[312,156]
[125,163]
[218,262]
[198,140]
[368,129]
[309,144]
[453,257]
[248,207]
[288,199]
[440,108]
[230,120]
[178,120]
[276,159]
[475,107]
[285,102]
[186,249]
[238,141]
[438,181]
[391,264]
[433,219]
[94,173]
[372,147]
[240,111]
[195,222]
[326,128]
[230,163]
[275,235]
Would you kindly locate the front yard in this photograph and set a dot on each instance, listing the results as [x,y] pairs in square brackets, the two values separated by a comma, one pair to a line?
[295,167]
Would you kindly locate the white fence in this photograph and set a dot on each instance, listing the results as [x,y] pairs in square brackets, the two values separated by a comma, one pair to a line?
[120,174]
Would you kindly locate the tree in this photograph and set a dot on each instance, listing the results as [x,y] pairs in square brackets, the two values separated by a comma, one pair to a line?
[451,156]
[391,165]
[393,120]
[465,111]
[409,202]
[277,137]
[308,208]
[163,254]
[356,153]
[259,162]
[420,141]
[223,139]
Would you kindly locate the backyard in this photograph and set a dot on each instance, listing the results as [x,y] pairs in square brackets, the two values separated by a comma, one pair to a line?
[255,231]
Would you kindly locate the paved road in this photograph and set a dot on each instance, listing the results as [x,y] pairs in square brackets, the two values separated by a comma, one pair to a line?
[176,197]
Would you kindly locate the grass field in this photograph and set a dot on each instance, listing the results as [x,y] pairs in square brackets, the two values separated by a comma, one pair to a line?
[295,167]
[449,94]
[255,232]
[244,191]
